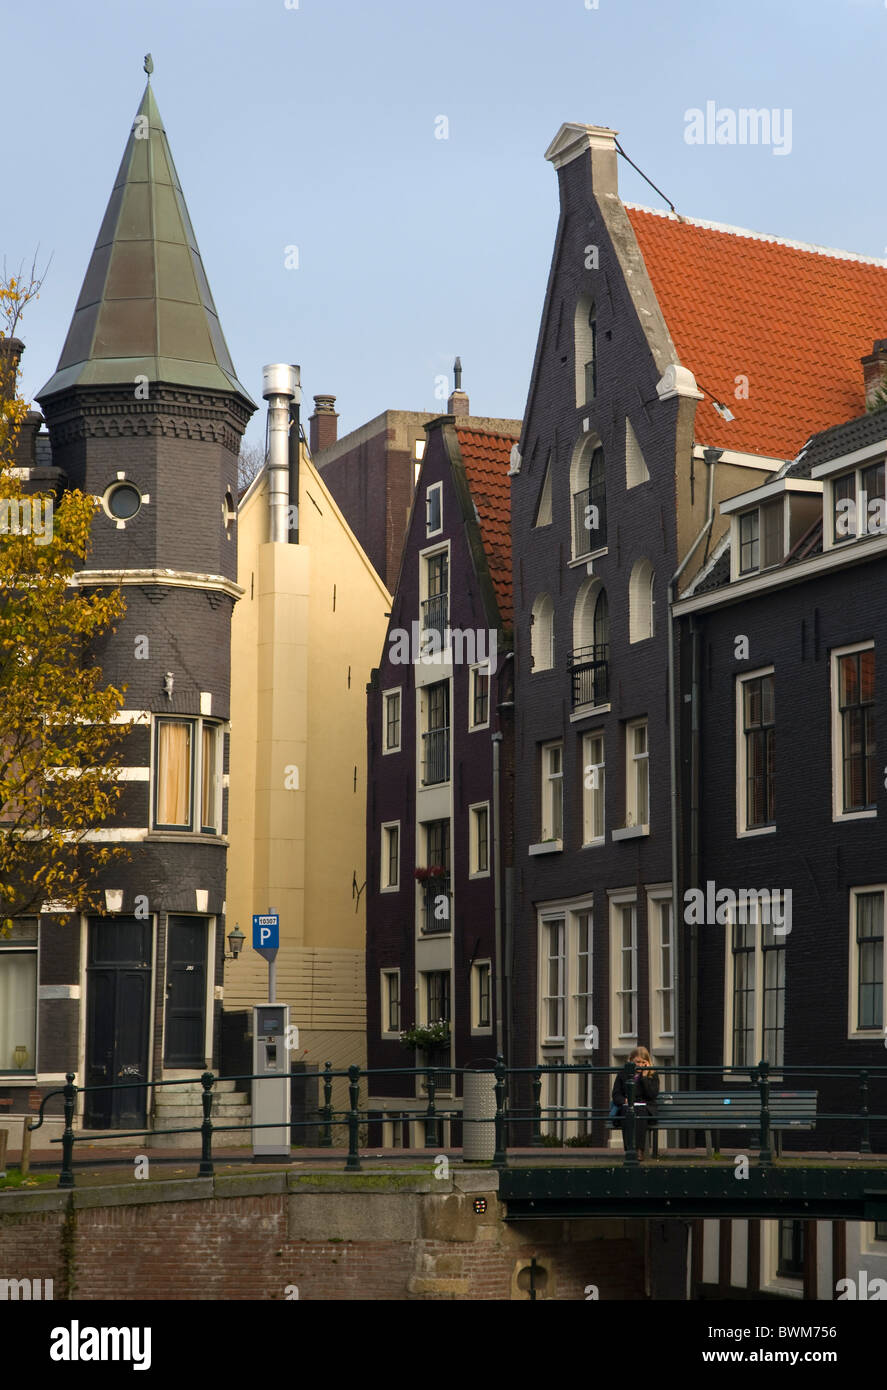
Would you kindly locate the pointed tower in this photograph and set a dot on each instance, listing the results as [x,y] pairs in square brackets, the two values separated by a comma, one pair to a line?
[146,413]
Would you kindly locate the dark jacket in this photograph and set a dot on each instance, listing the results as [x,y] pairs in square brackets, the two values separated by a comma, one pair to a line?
[646,1089]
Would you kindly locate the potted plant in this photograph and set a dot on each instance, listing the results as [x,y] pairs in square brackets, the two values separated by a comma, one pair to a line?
[426,1036]
[430,873]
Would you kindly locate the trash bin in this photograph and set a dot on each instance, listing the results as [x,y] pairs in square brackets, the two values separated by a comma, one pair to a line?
[479,1115]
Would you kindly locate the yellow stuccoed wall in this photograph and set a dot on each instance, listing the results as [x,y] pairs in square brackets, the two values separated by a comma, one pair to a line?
[301,658]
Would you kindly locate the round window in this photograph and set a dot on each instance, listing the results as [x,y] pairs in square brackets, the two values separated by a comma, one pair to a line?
[123,501]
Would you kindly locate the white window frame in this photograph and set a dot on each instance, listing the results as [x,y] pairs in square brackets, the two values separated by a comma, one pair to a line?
[577,1028]
[477,1028]
[197,723]
[594,794]
[481,669]
[385,886]
[542,654]
[571,1046]
[632,760]
[394,692]
[11,947]
[547,819]
[474,840]
[385,977]
[662,1043]
[743,830]
[828,510]
[547,922]
[838,812]
[854,1032]
[430,489]
[622,1043]
[758,1039]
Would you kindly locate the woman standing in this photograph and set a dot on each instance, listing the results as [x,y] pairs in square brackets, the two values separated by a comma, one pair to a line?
[646,1089]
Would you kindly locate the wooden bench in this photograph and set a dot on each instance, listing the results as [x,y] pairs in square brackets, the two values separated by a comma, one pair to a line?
[713,1111]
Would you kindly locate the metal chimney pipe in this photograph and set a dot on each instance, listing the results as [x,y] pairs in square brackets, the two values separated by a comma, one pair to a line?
[280,385]
[295,445]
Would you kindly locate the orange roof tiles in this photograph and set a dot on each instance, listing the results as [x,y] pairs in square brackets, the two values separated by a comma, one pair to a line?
[795,322]
[486,458]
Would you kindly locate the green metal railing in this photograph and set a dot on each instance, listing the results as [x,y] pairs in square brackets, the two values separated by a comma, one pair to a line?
[506,1114]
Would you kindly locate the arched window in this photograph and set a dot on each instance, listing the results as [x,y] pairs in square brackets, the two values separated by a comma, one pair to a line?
[640,601]
[585,346]
[590,658]
[588,488]
[542,633]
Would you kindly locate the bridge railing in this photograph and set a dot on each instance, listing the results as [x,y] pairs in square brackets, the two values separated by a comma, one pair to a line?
[507,1113]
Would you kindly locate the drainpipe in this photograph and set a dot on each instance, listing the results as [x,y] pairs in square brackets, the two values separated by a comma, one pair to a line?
[280,386]
[294,447]
[711,457]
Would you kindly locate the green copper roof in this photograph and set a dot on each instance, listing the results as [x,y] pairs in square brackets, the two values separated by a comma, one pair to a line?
[145,308]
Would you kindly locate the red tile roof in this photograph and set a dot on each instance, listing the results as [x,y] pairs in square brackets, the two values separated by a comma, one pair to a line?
[486,458]
[795,321]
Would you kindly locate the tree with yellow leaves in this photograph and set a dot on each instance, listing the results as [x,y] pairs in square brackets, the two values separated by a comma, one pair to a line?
[60,749]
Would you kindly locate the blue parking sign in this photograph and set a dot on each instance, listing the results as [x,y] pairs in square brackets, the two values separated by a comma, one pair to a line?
[266,931]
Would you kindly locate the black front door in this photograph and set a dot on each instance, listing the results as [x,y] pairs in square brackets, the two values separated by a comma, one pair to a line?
[185,1032]
[118,995]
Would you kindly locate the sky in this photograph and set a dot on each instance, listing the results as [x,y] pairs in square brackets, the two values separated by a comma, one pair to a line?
[399,145]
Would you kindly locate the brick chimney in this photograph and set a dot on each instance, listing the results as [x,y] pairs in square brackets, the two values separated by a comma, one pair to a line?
[25,455]
[874,369]
[323,425]
[458,403]
[11,350]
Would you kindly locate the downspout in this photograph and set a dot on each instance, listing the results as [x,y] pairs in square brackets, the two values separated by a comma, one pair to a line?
[711,457]
[497,890]
[295,445]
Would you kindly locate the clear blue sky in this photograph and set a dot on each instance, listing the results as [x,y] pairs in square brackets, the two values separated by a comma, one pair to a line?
[315,127]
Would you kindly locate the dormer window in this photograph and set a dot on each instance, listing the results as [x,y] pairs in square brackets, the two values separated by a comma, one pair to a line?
[859,504]
[433,510]
[585,349]
[761,540]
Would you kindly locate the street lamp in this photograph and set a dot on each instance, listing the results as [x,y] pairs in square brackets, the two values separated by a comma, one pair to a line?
[236,939]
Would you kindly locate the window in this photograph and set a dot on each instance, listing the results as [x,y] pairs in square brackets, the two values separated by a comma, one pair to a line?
[660,920]
[480,839]
[761,536]
[437,996]
[479,697]
[582,996]
[590,505]
[543,507]
[585,349]
[552,791]
[867,963]
[554,989]
[436,604]
[593,780]
[589,663]
[391,708]
[542,634]
[790,1240]
[435,886]
[855,774]
[391,1001]
[637,770]
[18,999]
[481,997]
[627,970]
[756,756]
[434,509]
[187,771]
[880,1232]
[755,995]
[640,601]
[436,736]
[859,504]
[390,857]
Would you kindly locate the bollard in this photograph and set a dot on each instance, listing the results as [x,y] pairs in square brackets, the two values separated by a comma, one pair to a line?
[66,1177]
[206,1169]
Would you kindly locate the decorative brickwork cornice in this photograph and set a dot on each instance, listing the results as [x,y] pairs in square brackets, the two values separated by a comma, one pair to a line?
[170,412]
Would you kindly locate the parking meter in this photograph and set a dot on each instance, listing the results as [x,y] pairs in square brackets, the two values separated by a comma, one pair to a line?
[271,1084]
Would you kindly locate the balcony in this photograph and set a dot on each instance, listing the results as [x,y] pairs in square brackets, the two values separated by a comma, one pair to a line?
[432,891]
[589,668]
[587,539]
[435,614]
[436,757]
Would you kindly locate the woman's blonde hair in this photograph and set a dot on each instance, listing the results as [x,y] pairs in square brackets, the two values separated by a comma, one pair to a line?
[643,1054]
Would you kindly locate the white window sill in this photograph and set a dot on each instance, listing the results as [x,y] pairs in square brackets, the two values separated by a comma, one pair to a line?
[855,815]
[476,728]
[578,560]
[482,1032]
[630,832]
[588,711]
[392,888]
[386,751]
[595,844]
[483,873]
[759,830]
[546,847]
